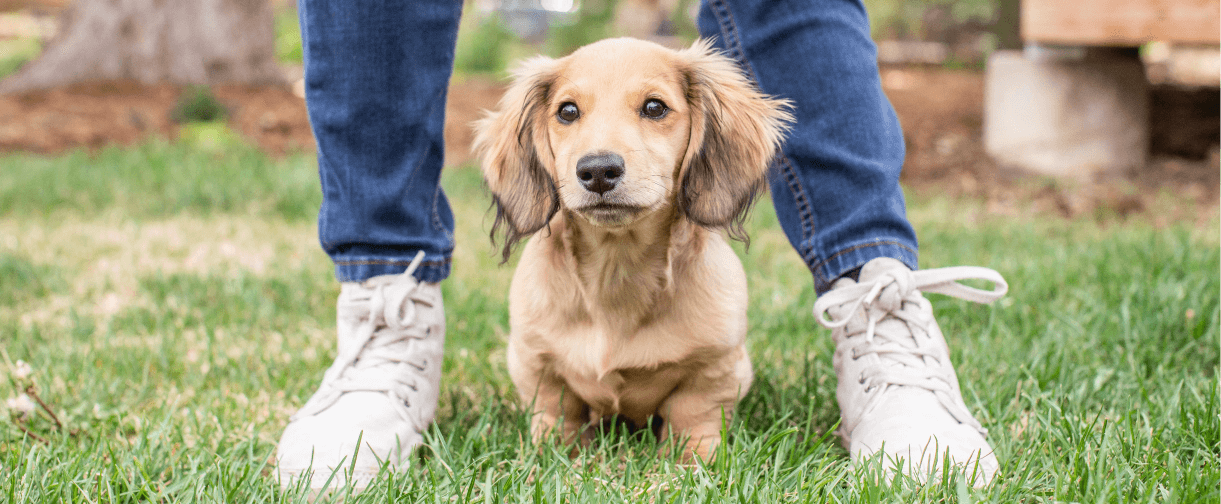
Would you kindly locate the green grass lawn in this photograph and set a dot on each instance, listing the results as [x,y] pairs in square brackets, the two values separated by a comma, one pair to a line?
[175,308]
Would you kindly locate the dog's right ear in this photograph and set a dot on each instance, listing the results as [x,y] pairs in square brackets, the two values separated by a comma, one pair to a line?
[736,131]
[512,147]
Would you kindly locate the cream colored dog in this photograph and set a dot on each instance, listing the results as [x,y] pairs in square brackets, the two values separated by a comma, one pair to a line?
[622,160]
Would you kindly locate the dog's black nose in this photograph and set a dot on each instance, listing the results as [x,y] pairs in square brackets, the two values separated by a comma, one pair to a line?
[600,172]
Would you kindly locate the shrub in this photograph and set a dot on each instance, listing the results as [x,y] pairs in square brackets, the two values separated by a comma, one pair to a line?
[198,104]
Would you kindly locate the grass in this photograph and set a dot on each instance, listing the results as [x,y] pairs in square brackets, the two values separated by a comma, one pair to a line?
[17,52]
[208,171]
[175,308]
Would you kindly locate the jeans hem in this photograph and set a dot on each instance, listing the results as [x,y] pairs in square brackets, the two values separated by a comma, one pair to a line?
[827,271]
[430,270]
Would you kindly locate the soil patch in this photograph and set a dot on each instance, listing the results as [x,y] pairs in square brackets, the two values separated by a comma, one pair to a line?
[941,112]
[466,103]
[93,115]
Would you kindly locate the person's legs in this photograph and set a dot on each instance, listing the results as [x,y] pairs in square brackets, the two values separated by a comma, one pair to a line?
[376,75]
[837,197]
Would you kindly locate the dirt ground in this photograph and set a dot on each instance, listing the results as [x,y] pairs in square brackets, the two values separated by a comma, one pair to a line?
[941,112]
[942,116]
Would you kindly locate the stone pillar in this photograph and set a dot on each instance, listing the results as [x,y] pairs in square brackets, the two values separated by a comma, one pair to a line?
[1071,113]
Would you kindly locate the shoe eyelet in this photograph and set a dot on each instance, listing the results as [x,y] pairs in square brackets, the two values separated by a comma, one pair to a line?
[861,380]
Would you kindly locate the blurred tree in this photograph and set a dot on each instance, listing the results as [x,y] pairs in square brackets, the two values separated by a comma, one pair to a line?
[482,45]
[1008,24]
[178,41]
[594,21]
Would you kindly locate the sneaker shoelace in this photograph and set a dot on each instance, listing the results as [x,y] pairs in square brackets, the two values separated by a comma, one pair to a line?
[921,361]
[376,358]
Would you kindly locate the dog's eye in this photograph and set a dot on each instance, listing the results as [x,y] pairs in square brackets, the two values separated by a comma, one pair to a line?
[568,113]
[654,109]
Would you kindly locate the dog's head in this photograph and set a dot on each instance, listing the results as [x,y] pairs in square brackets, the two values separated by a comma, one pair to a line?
[621,128]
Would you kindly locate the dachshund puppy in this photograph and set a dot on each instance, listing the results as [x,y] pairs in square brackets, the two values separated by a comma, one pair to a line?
[623,161]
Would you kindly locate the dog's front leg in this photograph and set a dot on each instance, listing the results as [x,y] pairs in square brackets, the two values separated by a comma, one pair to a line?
[697,409]
[557,406]
[693,420]
[553,403]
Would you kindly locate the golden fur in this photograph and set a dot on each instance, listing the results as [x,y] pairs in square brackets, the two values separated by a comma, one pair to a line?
[629,302]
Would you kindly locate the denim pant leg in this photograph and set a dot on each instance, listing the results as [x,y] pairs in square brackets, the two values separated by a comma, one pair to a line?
[376,76]
[836,186]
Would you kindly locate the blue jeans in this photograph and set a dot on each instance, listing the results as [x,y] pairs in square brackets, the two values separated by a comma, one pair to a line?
[376,81]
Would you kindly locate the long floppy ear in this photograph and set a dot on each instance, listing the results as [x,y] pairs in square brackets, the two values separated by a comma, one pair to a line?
[736,131]
[512,147]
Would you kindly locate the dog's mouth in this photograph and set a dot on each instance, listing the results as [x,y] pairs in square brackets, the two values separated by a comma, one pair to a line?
[609,213]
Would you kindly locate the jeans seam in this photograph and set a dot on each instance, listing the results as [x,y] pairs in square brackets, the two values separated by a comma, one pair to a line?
[854,248]
[732,40]
[326,244]
[436,216]
[804,208]
[822,283]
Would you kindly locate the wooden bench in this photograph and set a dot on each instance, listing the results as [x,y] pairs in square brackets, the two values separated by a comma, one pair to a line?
[1123,23]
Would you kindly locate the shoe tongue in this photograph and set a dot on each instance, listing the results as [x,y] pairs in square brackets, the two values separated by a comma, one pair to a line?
[889,300]
[842,282]
[879,267]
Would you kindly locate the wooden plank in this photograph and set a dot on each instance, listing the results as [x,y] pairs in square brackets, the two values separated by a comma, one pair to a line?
[1121,22]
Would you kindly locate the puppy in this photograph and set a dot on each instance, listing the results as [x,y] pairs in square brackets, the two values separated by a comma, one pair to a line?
[622,161]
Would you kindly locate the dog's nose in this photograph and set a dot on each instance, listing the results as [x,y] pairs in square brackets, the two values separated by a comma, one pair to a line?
[600,172]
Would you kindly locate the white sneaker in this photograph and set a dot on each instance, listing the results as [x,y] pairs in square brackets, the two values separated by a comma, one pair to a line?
[382,388]
[897,391]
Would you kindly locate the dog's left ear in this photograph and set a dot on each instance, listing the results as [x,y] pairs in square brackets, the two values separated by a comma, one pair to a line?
[511,145]
[736,131]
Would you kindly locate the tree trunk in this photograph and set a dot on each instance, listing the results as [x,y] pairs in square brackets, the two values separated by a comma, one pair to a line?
[178,41]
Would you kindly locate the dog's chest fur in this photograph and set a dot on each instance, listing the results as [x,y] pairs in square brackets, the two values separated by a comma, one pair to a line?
[621,321]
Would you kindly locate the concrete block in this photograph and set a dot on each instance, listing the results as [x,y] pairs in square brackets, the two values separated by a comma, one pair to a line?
[1081,117]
